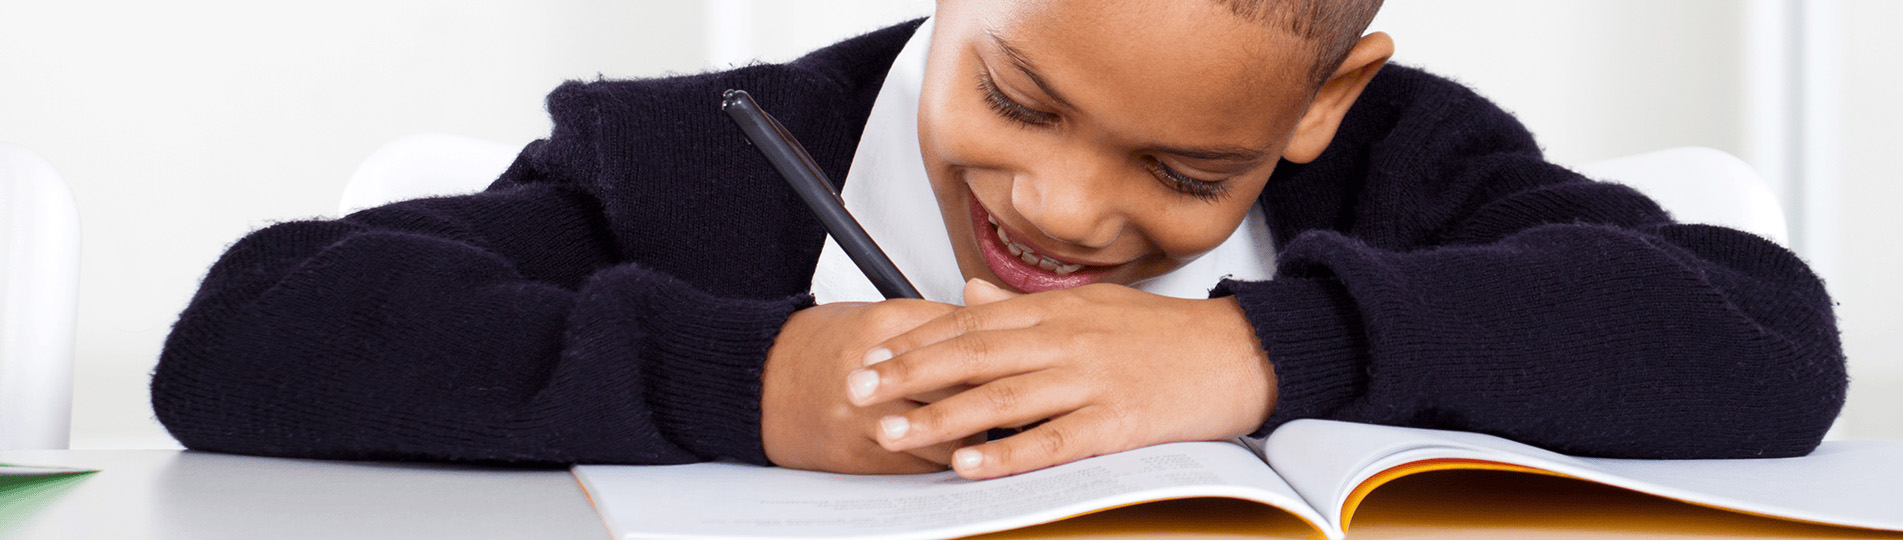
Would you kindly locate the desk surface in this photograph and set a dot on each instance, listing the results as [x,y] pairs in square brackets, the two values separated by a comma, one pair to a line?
[194,495]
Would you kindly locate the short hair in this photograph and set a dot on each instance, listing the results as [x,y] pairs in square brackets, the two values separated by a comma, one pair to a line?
[1331,26]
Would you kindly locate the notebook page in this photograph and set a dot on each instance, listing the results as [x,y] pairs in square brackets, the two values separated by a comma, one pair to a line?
[725,500]
[1853,483]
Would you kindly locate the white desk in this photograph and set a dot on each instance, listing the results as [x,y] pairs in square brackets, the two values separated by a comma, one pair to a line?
[182,495]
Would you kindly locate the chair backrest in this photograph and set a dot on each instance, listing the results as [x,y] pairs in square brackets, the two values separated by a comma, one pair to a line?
[39,297]
[425,165]
[1700,185]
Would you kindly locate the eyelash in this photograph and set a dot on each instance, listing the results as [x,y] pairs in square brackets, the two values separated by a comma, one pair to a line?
[1009,109]
[1207,191]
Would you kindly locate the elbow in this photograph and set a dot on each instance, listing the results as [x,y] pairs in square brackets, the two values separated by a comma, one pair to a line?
[204,387]
[182,402]
[1807,401]
[1780,375]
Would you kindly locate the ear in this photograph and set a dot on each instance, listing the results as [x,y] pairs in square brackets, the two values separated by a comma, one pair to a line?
[1317,126]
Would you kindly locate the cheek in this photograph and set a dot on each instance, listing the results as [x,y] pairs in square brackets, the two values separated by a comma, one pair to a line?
[957,130]
[954,136]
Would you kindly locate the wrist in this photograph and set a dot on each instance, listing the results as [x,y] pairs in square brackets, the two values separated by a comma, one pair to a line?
[1246,360]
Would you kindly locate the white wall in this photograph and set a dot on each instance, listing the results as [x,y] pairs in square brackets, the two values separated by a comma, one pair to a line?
[1592,78]
[184,124]
[181,125]
[1868,286]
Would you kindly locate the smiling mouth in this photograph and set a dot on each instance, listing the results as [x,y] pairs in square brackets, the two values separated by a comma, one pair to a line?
[1020,265]
[1029,255]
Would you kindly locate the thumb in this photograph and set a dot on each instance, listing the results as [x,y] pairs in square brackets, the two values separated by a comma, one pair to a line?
[978,291]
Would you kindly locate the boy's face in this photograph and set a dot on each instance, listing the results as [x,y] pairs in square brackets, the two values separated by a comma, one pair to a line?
[1116,141]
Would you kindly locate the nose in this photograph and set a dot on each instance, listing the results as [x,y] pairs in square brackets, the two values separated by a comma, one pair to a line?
[1071,200]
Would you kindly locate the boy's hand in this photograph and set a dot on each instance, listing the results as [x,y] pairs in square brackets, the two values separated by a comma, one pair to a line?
[1111,367]
[806,421]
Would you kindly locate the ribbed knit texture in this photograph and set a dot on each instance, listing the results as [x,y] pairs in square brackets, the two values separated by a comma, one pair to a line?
[612,297]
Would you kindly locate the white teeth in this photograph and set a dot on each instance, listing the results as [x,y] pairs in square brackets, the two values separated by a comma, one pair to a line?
[1024,253]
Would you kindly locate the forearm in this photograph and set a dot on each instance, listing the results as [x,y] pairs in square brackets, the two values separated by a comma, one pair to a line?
[1667,341]
[344,340]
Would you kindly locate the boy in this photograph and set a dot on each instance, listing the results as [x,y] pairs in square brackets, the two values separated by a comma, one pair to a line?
[634,288]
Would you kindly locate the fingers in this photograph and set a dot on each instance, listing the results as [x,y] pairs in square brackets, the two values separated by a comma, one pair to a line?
[937,454]
[891,318]
[975,358]
[997,315]
[895,463]
[935,396]
[1013,401]
[1062,440]
[941,454]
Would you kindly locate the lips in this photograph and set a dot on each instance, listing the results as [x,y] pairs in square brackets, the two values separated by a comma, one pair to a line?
[1026,270]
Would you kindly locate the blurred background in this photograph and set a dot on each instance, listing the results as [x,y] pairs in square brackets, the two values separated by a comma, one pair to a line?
[182,125]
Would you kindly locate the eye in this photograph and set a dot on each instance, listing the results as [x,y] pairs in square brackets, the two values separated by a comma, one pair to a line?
[1011,110]
[1207,190]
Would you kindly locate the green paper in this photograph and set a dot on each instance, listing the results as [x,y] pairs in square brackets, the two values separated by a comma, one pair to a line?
[22,497]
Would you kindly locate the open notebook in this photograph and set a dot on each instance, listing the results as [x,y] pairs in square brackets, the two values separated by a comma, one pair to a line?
[1316,470]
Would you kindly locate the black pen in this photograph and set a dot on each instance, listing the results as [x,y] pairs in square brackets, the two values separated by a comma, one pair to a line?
[810,183]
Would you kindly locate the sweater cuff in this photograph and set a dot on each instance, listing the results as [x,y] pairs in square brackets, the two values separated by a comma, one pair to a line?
[703,359]
[1315,342]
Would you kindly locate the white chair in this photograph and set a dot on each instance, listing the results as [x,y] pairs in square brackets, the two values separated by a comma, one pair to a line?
[39,295]
[425,165]
[1700,185]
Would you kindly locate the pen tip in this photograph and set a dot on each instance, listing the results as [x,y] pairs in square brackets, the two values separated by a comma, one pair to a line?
[730,98]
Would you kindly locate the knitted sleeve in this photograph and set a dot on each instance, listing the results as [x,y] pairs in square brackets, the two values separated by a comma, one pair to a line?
[1491,291]
[500,326]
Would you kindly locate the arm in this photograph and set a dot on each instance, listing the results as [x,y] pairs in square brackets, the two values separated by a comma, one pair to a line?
[500,326]
[1436,271]
[1572,315]
[495,327]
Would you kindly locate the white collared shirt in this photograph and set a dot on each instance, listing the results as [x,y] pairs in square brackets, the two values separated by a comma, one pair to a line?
[888,191]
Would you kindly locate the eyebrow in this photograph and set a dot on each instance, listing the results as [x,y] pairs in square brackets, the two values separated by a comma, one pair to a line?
[1234,154]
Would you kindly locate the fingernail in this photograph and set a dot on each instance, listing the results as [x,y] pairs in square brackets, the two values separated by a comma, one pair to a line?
[876,355]
[894,427]
[967,458]
[861,382]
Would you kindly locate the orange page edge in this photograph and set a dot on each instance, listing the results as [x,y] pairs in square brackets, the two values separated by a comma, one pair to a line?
[1453,464]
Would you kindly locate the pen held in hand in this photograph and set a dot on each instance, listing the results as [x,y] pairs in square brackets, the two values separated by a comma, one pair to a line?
[810,183]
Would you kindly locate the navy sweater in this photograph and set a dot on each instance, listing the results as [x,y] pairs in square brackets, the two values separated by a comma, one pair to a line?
[611,298]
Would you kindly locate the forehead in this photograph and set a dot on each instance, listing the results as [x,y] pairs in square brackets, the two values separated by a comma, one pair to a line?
[1175,69]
